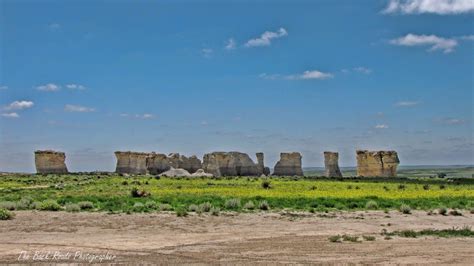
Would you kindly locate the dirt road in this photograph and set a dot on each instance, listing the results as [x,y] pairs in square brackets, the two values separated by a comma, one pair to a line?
[265,238]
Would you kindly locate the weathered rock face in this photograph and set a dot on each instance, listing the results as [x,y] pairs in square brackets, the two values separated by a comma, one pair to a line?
[377,163]
[50,162]
[331,164]
[131,162]
[230,164]
[154,163]
[289,165]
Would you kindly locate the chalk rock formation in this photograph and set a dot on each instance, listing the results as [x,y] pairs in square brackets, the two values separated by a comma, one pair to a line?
[172,172]
[191,164]
[154,163]
[230,164]
[289,165]
[201,173]
[377,163]
[50,162]
[331,164]
[131,162]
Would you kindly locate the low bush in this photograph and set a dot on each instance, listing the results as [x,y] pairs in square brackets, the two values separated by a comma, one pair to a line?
[165,207]
[335,239]
[72,207]
[151,205]
[8,205]
[455,213]
[266,184]
[369,238]
[138,207]
[6,214]
[205,207]
[372,205]
[181,212]
[24,203]
[249,205]
[49,205]
[442,211]
[215,211]
[86,205]
[193,208]
[136,193]
[232,204]
[263,205]
[405,209]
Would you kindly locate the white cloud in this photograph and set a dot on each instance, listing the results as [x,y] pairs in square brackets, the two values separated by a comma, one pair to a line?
[467,37]
[207,52]
[435,42]
[78,108]
[10,115]
[266,38]
[231,44]
[362,70]
[381,126]
[406,103]
[2,88]
[441,7]
[311,74]
[75,87]
[49,87]
[138,116]
[452,121]
[54,26]
[19,105]
[269,76]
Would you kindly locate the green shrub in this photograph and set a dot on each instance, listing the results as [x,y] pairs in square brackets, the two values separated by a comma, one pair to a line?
[350,238]
[8,205]
[455,213]
[181,212]
[151,205]
[24,203]
[86,205]
[136,193]
[50,205]
[35,205]
[335,239]
[6,214]
[138,207]
[372,205]
[442,211]
[215,211]
[368,238]
[165,207]
[193,208]
[72,207]
[249,205]
[405,209]
[232,204]
[266,184]
[205,207]
[263,205]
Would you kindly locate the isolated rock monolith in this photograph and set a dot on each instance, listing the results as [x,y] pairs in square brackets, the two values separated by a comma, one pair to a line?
[131,162]
[289,165]
[230,164]
[50,162]
[331,164]
[377,163]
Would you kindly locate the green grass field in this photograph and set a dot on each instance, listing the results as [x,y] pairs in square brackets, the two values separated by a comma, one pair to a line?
[112,193]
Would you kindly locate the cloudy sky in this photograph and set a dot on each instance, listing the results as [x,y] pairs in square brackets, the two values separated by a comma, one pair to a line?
[92,77]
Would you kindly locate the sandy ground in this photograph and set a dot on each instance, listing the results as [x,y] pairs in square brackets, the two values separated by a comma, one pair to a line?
[265,238]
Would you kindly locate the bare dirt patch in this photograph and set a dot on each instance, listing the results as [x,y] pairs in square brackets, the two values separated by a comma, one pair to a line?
[233,238]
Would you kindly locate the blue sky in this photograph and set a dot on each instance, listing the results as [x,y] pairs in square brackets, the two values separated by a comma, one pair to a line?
[92,77]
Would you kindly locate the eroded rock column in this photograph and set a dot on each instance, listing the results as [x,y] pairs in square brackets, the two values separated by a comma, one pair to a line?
[289,165]
[50,162]
[331,164]
[377,163]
